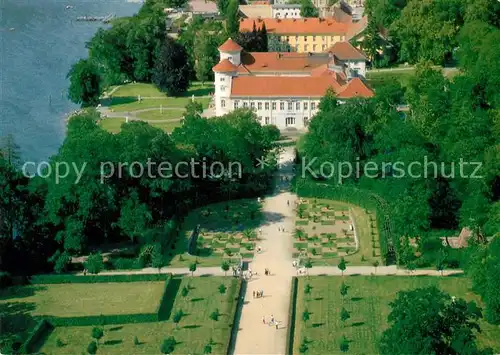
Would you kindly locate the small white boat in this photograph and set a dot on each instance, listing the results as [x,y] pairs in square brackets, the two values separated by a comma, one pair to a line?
[68,7]
[12,29]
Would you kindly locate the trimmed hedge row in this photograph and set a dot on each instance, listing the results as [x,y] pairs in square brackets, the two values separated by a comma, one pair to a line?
[102,319]
[365,199]
[69,278]
[237,305]
[38,332]
[292,315]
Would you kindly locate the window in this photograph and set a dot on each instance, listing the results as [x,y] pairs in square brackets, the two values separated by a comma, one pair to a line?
[287,37]
[267,120]
[305,38]
[313,105]
[222,78]
[290,121]
[323,47]
[274,105]
[333,38]
[223,87]
[259,105]
[305,105]
[314,38]
[305,48]
[290,106]
[266,105]
[297,106]
[236,104]
[223,103]
[245,104]
[252,105]
[230,58]
[324,38]
[282,106]
[314,48]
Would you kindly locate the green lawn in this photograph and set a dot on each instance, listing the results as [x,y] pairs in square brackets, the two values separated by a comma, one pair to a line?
[149,90]
[377,79]
[166,126]
[368,301]
[127,104]
[160,115]
[74,300]
[112,125]
[194,331]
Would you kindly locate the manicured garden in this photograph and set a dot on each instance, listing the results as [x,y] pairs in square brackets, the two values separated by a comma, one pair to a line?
[227,232]
[325,232]
[134,317]
[197,300]
[366,304]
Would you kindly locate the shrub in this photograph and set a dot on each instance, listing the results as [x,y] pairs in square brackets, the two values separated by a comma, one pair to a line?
[5,280]
[94,263]
[185,291]
[63,279]
[136,341]
[222,289]
[168,345]
[92,348]
[207,349]
[215,315]
[97,333]
[59,343]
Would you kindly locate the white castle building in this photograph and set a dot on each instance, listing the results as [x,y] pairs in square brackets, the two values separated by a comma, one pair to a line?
[284,89]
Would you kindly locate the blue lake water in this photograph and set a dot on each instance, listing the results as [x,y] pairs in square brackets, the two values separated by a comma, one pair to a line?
[40,40]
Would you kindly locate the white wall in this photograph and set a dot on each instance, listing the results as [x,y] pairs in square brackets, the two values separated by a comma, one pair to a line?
[222,83]
[360,65]
[286,12]
[234,57]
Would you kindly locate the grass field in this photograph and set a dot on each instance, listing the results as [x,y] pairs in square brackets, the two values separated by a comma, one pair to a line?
[377,79]
[367,301]
[149,90]
[113,125]
[166,126]
[194,330]
[214,219]
[126,104]
[72,300]
[160,115]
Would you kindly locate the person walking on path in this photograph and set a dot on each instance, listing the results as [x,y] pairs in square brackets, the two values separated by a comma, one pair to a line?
[253,294]
[264,319]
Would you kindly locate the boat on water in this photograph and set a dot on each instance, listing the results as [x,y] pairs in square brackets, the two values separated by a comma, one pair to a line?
[68,7]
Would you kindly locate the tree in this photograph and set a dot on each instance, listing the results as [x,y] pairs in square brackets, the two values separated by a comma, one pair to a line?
[136,341]
[206,55]
[177,317]
[343,289]
[344,315]
[168,345]
[222,6]
[85,86]
[171,71]
[344,344]
[92,348]
[306,316]
[94,263]
[157,260]
[215,315]
[225,267]
[185,291]
[342,265]
[307,9]
[427,320]
[192,268]
[207,349]
[97,334]
[232,18]
[222,289]
[375,264]
[307,290]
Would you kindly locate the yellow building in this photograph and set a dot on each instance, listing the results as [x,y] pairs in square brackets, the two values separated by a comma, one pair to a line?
[313,35]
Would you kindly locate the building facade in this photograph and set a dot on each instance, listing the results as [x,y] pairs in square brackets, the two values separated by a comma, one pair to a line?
[286,11]
[284,89]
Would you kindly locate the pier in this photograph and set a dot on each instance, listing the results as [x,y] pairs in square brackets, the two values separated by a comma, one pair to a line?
[104,19]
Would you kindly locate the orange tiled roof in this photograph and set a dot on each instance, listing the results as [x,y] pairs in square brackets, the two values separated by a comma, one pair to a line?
[225,66]
[345,51]
[274,61]
[355,88]
[230,46]
[297,26]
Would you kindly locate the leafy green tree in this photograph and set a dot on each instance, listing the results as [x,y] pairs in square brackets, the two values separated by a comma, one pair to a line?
[171,71]
[94,263]
[342,265]
[225,267]
[178,317]
[157,260]
[168,345]
[376,264]
[306,315]
[97,334]
[307,9]
[344,344]
[192,268]
[307,290]
[85,86]
[215,315]
[185,291]
[343,289]
[232,18]
[206,56]
[92,348]
[136,341]
[207,349]
[222,6]
[222,289]
[427,320]
[344,315]
[308,265]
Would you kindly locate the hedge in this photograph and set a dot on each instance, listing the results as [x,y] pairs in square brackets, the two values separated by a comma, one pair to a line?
[70,278]
[102,319]
[292,315]
[39,331]
[368,200]
[236,309]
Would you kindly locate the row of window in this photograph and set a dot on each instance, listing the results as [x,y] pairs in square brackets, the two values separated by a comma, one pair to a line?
[314,48]
[289,121]
[289,105]
[323,38]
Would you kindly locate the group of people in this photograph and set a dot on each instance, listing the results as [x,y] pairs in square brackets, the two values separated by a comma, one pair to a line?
[267,272]
[258,294]
[272,321]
